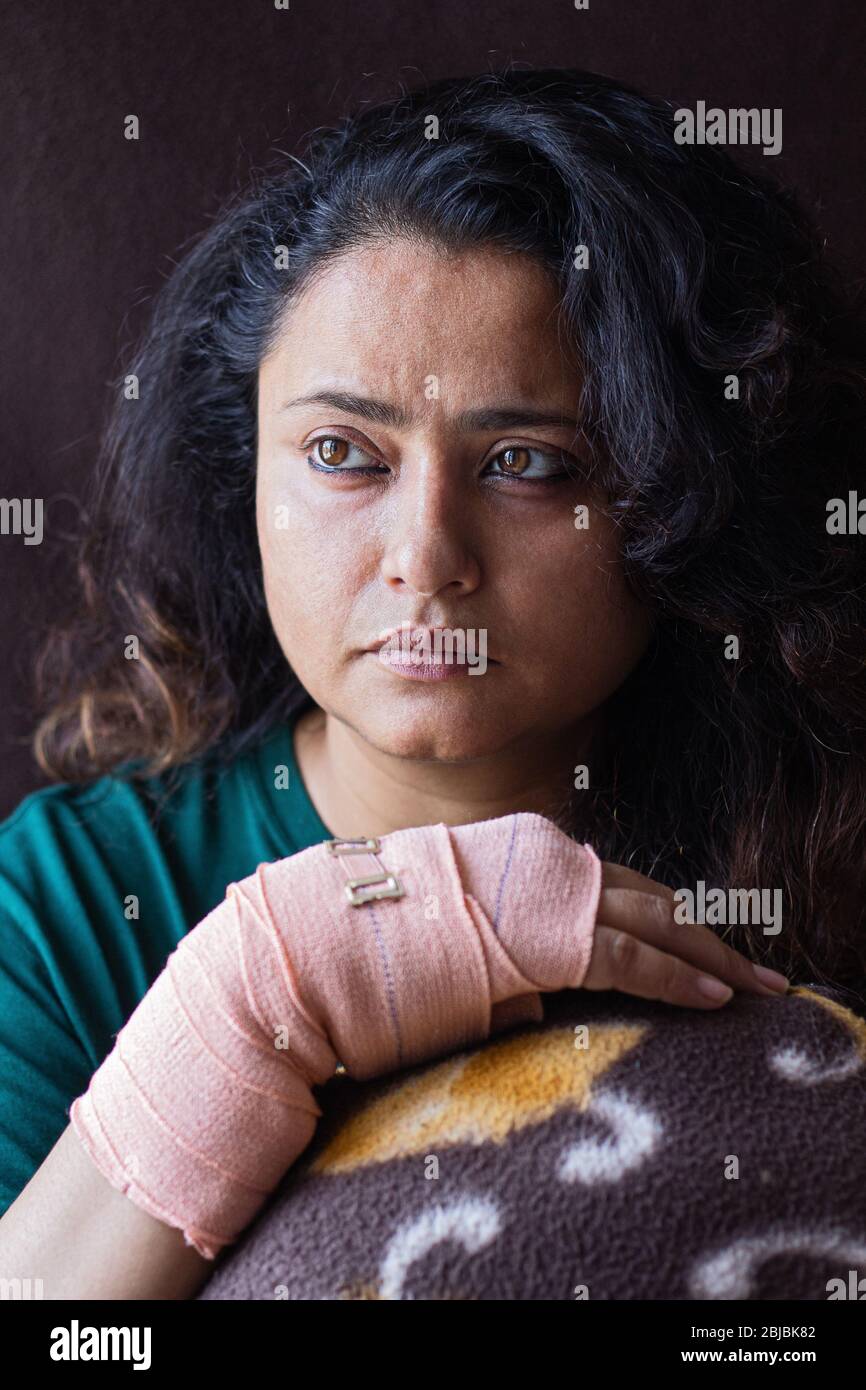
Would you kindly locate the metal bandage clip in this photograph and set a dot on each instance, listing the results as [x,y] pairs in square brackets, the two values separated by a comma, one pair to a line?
[363,890]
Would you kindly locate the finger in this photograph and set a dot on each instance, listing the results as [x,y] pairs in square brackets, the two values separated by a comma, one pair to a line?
[618,876]
[624,962]
[652,920]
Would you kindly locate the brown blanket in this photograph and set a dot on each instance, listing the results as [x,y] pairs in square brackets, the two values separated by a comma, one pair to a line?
[618,1150]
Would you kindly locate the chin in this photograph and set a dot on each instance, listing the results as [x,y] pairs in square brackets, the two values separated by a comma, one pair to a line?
[438,731]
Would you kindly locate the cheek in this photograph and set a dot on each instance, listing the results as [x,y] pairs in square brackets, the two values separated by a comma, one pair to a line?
[310,573]
[579,615]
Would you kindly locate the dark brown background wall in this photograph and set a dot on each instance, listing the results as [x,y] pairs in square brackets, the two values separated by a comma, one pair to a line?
[93,222]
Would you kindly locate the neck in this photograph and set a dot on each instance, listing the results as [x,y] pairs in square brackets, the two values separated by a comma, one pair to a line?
[359,790]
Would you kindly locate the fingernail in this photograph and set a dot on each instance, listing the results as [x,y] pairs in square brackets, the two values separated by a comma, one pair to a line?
[713,989]
[771,978]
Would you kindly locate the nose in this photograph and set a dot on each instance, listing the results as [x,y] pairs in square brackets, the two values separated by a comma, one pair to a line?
[428,546]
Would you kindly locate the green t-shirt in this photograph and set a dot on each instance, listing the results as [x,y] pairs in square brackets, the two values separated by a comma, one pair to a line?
[98,884]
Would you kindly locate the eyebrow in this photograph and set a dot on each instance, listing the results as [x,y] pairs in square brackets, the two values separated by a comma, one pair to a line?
[385,413]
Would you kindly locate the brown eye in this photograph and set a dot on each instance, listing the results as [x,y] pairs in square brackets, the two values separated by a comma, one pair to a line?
[331,449]
[514,460]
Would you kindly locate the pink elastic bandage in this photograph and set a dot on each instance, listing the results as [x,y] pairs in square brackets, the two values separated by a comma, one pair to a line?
[205,1100]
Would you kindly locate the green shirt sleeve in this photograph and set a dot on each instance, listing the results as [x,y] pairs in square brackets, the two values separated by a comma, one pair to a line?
[69,974]
[43,1065]
[98,884]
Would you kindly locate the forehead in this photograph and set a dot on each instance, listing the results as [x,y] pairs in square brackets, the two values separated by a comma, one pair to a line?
[390,316]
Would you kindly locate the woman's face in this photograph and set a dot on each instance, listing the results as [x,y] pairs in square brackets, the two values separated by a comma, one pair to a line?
[454,389]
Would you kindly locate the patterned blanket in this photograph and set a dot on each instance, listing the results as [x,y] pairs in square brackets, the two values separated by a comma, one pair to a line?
[619,1150]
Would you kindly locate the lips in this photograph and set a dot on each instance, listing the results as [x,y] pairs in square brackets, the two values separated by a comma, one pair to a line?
[412,631]
[432,653]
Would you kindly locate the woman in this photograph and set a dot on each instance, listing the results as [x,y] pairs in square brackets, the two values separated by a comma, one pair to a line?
[504,360]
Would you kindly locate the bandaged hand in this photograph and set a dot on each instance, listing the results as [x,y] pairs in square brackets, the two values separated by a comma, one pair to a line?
[206,1098]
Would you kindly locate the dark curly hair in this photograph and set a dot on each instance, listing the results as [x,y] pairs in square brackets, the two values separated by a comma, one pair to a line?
[746,772]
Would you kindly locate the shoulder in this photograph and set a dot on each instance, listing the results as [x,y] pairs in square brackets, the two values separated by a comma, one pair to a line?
[103,812]
[57,805]
[70,853]
[90,905]
[69,849]
[44,818]
[46,823]
[55,848]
